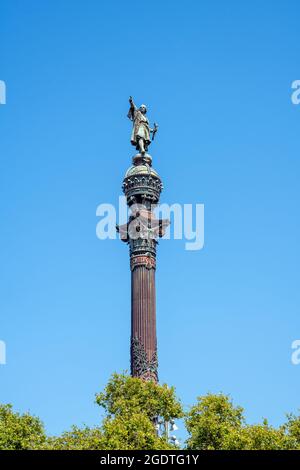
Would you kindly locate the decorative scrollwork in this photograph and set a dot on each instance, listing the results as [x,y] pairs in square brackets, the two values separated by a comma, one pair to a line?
[153,364]
[140,365]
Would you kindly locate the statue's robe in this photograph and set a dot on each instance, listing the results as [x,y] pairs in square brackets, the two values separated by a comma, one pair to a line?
[141,128]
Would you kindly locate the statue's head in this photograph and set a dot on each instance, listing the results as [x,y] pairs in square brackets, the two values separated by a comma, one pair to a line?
[143,108]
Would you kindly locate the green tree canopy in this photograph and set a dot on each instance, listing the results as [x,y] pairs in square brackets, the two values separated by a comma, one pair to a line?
[132,407]
[124,394]
[84,438]
[214,423]
[19,431]
[211,420]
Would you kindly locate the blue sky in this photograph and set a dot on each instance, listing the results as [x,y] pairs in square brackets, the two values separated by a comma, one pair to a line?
[217,78]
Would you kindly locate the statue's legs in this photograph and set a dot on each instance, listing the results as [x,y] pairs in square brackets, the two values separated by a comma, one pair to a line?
[141,145]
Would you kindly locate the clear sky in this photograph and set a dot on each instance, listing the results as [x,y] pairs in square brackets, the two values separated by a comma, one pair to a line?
[217,78]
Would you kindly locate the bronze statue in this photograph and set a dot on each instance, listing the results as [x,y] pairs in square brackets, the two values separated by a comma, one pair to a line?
[140,136]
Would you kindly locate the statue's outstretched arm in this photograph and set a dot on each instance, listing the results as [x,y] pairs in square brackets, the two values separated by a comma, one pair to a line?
[132,105]
[132,109]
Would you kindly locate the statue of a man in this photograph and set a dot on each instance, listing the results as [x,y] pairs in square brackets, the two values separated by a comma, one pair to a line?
[140,136]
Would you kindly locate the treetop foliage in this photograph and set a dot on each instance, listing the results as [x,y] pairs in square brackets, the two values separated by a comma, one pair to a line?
[132,409]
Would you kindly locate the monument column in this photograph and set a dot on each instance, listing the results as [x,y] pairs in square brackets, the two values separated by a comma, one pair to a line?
[142,187]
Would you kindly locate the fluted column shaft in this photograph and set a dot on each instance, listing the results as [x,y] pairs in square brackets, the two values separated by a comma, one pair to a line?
[143,323]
